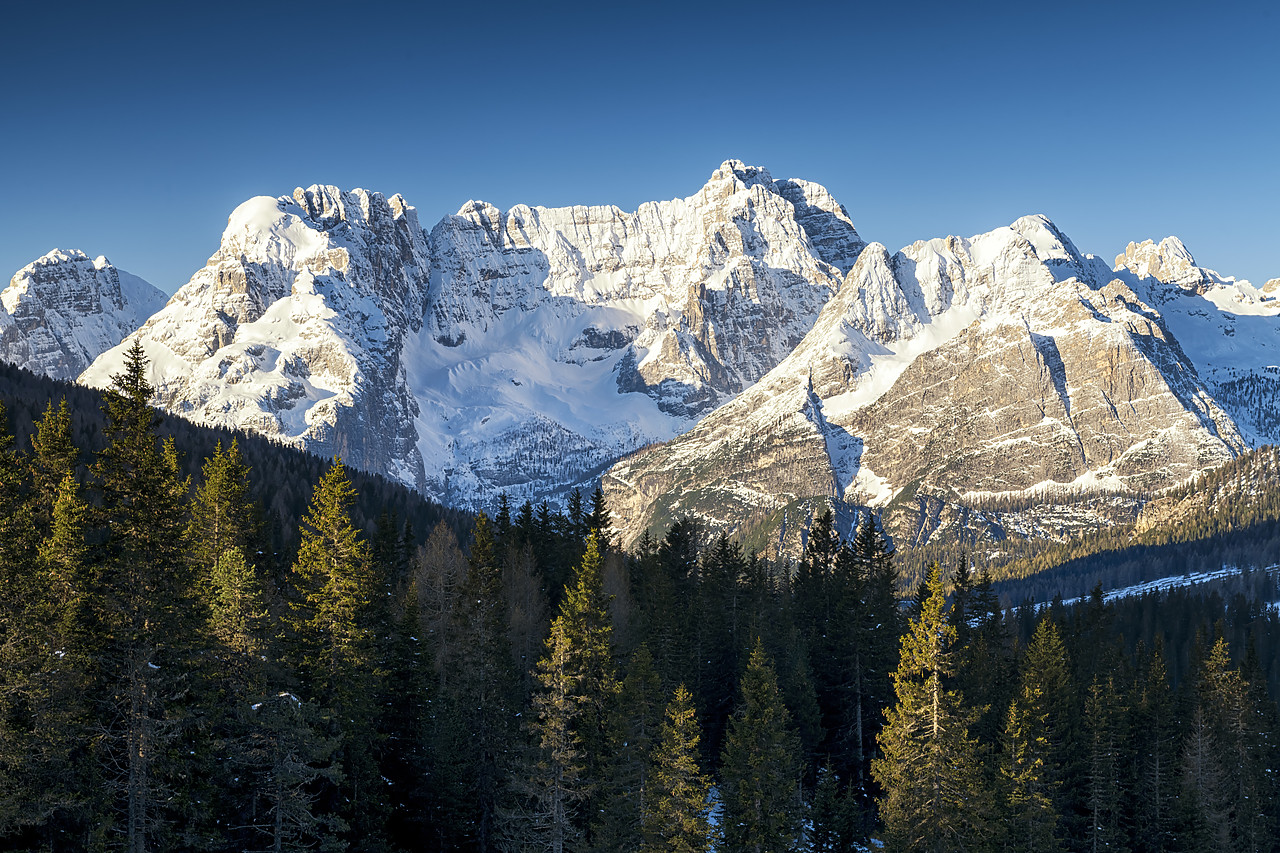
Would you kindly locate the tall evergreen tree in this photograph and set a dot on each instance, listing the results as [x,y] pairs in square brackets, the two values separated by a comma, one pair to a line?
[1030,768]
[149,610]
[760,769]
[1155,779]
[633,731]
[332,644]
[935,796]
[482,695]
[676,815]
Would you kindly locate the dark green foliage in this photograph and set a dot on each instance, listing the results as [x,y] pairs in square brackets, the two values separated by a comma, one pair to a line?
[760,771]
[676,812]
[935,794]
[312,679]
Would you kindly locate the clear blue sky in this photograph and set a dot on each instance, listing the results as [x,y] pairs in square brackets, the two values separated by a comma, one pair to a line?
[133,129]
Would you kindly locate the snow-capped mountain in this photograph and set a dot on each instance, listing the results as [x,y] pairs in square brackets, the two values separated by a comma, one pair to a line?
[742,351]
[63,310]
[511,352]
[295,328]
[965,375]
[558,339]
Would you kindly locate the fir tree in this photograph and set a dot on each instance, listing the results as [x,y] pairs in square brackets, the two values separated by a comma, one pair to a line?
[935,797]
[676,815]
[1030,766]
[333,646]
[760,771]
[633,730]
[149,613]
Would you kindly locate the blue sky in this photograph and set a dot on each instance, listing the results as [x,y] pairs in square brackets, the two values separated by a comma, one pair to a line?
[132,130]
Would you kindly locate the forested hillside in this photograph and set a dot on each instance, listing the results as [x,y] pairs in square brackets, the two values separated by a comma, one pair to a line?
[208,643]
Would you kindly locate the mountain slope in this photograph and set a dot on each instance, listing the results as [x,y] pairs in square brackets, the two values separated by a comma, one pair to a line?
[63,310]
[558,339]
[295,326]
[955,374]
[513,352]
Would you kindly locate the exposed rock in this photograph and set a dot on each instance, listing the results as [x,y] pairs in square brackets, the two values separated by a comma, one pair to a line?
[295,327]
[1004,369]
[63,310]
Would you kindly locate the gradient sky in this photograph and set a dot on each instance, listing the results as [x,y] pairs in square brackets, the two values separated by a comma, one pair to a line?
[133,129]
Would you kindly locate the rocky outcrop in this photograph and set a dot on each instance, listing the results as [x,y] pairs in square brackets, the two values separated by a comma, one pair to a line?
[63,310]
[295,328]
[1001,371]
[715,289]
[558,339]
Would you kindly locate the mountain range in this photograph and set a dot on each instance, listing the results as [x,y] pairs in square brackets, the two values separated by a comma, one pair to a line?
[741,355]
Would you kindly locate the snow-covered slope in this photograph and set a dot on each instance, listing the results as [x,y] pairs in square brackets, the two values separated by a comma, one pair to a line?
[558,339]
[1229,329]
[62,310]
[1001,369]
[295,327]
[515,351]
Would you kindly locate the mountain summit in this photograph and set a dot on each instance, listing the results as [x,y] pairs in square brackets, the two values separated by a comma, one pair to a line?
[739,354]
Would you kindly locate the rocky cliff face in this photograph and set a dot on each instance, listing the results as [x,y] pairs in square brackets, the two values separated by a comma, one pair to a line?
[959,378]
[63,310]
[716,288]
[741,349]
[558,339]
[516,351]
[295,328]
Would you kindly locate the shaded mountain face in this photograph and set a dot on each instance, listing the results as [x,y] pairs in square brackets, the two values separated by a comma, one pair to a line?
[742,350]
[1005,383]
[63,310]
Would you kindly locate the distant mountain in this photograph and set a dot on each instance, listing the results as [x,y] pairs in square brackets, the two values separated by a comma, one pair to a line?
[516,352]
[63,310]
[296,326]
[741,355]
[982,387]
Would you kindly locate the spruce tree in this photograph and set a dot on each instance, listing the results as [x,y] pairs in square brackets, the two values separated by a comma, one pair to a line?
[760,769]
[935,797]
[573,706]
[1030,768]
[676,815]
[332,645]
[633,730]
[149,611]
[481,695]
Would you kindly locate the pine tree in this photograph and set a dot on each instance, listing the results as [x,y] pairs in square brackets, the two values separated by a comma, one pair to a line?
[877,625]
[149,612]
[760,770]
[554,783]
[223,516]
[633,730]
[332,645]
[935,797]
[836,826]
[1030,770]
[573,706]
[676,815]
[46,662]
[1103,710]
[1155,774]
[55,456]
[482,693]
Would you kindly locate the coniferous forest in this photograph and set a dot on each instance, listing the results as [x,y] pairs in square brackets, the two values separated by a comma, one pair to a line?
[207,643]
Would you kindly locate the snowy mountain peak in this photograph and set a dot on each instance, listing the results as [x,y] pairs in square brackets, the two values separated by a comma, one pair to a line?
[1168,261]
[63,309]
[742,174]
[294,327]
